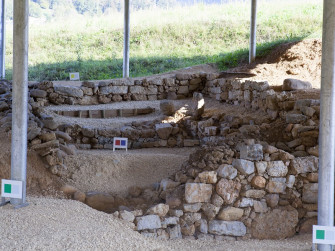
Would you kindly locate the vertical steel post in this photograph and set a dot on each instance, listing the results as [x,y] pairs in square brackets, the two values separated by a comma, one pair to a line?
[327,121]
[126,40]
[252,49]
[20,97]
[2,38]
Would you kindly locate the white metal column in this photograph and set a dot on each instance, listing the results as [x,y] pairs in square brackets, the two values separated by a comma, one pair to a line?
[252,49]
[20,97]
[126,40]
[2,38]
[327,121]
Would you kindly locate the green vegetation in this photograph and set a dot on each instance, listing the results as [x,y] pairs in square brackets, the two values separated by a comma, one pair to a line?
[162,40]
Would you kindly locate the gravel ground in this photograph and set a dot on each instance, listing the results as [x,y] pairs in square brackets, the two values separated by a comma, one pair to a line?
[54,224]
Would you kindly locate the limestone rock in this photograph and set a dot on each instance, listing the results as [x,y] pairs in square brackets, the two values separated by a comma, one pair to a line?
[209,177]
[69,91]
[174,232]
[246,202]
[277,169]
[37,93]
[167,184]
[192,208]
[244,166]
[170,221]
[295,119]
[304,165]
[233,228]
[127,216]
[264,225]
[258,182]
[160,210]
[291,84]
[276,186]
[260,206]
[227,171]
[217,200]
[198,105]
[310,193]
[272,200]
[255,194]
[306,226]
[230,214]
[148,222]
[261,167]
[197,192]
[167,107]
[229,190]
[210,210]
[251,152]
[164,130]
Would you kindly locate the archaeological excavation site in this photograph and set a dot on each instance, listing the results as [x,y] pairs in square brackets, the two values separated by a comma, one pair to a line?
[212,156]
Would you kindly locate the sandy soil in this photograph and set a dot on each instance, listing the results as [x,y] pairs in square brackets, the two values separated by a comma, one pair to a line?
[115,172]
[54,224]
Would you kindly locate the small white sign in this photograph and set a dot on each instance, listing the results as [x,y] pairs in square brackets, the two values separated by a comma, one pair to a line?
[74,76]
[323,234]
[11,189]
[120,143]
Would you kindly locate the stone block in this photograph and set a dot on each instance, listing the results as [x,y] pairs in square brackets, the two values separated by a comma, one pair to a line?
[244,166]
[232,228]
[198,192]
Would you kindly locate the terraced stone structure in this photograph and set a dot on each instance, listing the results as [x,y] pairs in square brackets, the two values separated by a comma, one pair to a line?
[250,174]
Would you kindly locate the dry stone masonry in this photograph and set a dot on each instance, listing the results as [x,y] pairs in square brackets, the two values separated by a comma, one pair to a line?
[249,175]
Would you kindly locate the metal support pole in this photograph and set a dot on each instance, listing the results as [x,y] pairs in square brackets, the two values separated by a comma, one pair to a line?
[327,122]
[252,49]
[126,40]
[20,97]
[2,38]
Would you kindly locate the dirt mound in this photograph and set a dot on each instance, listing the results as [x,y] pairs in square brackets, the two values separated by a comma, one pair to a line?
[300,60]
[39,180]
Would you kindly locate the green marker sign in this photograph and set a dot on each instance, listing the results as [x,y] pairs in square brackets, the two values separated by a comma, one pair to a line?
[324,235]
[11,189]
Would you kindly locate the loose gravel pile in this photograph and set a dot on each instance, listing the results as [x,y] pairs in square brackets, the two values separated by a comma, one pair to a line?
[54,224]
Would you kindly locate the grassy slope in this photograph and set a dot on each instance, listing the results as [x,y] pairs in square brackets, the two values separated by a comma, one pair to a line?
[163,40]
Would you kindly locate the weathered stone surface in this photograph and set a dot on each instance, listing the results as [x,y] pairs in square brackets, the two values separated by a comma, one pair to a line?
[105,90]
[306,226]
[191,218]
[160,210]
[217,200]
[262,226]
[148,222]
[276,186]
[233,228]
[310,193]
[295,118]
[137,90]
[37,93]
[127,216]
[255,194]
[69,91]
[192,208]
[304,165]
[170,221]
[244,166]
[261,167]
[260,206]
[291,84]
[230,214]
[197,192]
[277,169]
[164,130]
[45,137]
[246,202]
[228,189]
[210,210]
[167,107]
[100,201]
[258,182]
[209,177]
[33,133]
[227,171]
[197,106]
[174,232]
[272,200]
[63,135]
[251,152]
